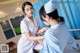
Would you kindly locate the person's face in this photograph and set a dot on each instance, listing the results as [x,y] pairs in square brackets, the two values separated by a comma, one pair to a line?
[29,10]
[46,20]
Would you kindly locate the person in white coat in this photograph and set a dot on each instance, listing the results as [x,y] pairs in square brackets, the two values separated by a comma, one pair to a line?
[57,36]
[29,28]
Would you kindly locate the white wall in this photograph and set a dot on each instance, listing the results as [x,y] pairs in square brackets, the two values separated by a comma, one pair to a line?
[12,7]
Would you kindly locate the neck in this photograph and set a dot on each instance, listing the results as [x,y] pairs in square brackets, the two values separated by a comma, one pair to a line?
[53,22]
[31,18]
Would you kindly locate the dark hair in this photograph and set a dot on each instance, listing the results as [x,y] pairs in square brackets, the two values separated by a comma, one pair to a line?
[24,4]
[53,15]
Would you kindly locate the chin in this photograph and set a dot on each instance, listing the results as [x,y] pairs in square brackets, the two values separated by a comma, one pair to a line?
[31,15]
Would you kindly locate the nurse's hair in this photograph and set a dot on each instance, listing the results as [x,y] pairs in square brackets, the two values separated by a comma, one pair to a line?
[24,4]
[54,15]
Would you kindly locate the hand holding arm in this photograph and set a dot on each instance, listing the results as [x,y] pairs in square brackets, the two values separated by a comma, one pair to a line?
[42,30]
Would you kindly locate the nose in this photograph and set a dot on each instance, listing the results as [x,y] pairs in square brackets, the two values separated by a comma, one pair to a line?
[30,11]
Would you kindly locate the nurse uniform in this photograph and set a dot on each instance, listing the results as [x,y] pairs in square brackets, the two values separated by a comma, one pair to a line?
[24,45]
[57,37]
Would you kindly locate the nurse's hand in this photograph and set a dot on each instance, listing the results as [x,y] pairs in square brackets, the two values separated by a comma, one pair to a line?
[42,30]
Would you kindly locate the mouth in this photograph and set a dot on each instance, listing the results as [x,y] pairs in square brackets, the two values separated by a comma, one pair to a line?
[30,13]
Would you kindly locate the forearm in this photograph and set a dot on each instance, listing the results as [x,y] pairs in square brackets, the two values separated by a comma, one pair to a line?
[41,42]
[32,38]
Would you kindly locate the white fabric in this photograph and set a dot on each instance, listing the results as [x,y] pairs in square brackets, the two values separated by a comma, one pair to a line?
[38,46]
[25,45]
[50,7]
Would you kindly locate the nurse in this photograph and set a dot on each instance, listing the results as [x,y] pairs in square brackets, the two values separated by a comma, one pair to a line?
[57,36]
[29,28]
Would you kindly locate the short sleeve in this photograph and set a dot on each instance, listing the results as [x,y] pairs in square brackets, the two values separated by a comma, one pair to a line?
[52,42]
[50,37]
[24,27]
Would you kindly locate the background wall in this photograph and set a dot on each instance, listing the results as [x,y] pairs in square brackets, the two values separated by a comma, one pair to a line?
[8,7]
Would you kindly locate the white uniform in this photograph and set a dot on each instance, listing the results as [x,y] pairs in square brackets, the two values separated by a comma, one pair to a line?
[25,45]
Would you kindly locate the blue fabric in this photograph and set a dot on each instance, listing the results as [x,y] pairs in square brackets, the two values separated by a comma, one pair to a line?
[37,5]
[51,44]
[73,14]
[69,9]
[56,39]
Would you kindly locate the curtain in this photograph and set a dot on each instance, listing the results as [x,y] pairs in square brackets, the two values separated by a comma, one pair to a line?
[68,9]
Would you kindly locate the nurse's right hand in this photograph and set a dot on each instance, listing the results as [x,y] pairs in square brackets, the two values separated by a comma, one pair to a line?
[43,29]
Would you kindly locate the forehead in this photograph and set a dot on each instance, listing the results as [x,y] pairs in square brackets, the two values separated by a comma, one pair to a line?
[28,6]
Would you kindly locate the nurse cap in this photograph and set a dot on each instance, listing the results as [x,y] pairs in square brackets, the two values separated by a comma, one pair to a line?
[50,7]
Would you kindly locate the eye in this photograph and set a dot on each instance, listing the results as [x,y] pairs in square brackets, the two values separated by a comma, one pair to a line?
[31,8]
[27,9]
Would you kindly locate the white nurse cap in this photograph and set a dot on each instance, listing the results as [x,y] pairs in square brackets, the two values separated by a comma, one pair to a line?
[50,7]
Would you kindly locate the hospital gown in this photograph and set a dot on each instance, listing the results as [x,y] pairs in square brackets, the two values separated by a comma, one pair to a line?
[56,38]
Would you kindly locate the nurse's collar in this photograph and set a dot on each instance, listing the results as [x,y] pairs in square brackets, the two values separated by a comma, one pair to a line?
[56,25]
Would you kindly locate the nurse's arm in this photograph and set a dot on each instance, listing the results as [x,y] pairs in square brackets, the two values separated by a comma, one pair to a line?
[42,30]
[32,38]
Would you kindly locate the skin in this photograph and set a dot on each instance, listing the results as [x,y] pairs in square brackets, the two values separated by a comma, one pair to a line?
[49,21]
[29,11]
